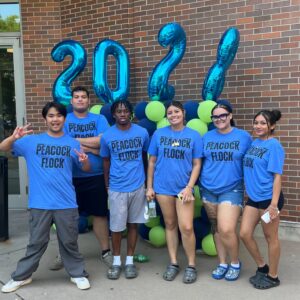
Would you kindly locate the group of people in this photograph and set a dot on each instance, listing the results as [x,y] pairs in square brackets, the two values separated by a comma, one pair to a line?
[80,161]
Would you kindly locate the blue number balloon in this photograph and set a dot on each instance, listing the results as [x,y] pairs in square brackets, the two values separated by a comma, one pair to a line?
[61,89]
[101,88]
[215,78]
[170,34]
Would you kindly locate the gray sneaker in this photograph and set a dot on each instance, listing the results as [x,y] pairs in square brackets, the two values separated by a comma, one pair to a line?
[57,264]
[107,258]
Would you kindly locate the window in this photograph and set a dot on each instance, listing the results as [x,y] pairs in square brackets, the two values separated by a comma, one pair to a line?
[9,16]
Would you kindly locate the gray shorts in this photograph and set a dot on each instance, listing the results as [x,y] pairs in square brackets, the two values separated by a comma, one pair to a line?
[126,208]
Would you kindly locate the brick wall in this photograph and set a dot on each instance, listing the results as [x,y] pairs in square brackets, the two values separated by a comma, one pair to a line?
[265,73]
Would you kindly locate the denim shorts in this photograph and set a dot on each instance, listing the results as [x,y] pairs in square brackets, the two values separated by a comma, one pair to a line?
[234,197]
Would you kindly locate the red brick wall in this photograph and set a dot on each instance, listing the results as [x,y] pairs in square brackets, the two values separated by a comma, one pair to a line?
[265,73]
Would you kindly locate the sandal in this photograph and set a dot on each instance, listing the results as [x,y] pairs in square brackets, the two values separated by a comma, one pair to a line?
[114,272]
[130,271]
[219,272]
[171,272]
[233,273]
[190,275]
[266,282]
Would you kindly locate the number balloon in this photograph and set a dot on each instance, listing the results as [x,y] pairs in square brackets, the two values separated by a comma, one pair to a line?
[215,78]
[171,34]
[101,88]
[61,89]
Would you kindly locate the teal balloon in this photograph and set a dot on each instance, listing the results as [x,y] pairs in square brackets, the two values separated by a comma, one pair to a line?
[162,123]
[173,35]
[228,47]
[208,245]
[157,236]
[204,110]
[197,125]
[155,111]
[95,109]
[102,89]
[213,82]
[61,90]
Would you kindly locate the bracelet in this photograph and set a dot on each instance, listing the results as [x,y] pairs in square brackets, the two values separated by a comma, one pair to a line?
[273,207]
[189,187]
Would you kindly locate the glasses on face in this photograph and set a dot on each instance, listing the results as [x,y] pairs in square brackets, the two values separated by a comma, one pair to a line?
[221,117]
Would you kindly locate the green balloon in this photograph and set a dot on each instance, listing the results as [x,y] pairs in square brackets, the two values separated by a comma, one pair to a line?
[90,221]
[162,123]
[155,111]
[208,245]
[96,109]
[153,222]
[197,125]
[204,110]
[157,236]
[197,210]
[197,196]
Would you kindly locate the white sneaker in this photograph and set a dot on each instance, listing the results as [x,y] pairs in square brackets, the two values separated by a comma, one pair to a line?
[12,285]
[81,282]
[57,264]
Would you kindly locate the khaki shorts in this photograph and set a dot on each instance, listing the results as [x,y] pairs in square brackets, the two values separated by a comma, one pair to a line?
[126,208]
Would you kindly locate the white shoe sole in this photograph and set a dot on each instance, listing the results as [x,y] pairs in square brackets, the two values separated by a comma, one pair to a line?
[81,286]
[12,289]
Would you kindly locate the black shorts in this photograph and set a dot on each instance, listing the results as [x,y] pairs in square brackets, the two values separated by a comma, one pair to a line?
[265,203]
[91,195]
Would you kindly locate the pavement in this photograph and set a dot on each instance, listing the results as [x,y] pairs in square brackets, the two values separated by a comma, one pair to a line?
[149,285]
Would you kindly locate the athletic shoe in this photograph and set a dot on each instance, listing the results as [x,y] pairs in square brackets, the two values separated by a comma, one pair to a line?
[13,285]
[81,282]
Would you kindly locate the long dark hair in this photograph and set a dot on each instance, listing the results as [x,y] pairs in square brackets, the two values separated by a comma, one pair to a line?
[271,116]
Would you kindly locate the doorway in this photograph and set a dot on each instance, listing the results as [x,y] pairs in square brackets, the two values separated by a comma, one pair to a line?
[12,112]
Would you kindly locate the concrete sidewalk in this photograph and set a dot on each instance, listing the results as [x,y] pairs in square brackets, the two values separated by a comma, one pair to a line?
[149,285]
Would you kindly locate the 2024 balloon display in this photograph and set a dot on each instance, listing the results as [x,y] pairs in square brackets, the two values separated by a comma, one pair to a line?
[172,35]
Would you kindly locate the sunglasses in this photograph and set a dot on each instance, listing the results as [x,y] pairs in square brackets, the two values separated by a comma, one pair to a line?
[221,117]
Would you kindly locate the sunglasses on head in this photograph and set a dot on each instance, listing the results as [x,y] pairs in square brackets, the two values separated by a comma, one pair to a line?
[221,117]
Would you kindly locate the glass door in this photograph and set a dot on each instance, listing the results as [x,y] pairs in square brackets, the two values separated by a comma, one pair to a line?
[12,113]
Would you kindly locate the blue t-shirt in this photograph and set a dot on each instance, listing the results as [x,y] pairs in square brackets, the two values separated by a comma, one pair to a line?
[263,159]
[125,149]
[174,152]
[90,126]
[222,167]
[49,164]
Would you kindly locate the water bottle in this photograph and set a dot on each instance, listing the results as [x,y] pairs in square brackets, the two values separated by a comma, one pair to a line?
[152,209]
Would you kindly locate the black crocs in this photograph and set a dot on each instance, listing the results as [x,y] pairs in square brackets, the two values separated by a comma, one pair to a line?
[265,282]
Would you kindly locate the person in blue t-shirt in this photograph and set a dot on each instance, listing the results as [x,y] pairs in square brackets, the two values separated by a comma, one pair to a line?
[173,169]
[263,167]
[91,194]
[49,157]
[221,186]
[124,151]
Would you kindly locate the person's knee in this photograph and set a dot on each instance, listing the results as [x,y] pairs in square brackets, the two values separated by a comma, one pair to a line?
[245,235]
[187,229]
[171,224]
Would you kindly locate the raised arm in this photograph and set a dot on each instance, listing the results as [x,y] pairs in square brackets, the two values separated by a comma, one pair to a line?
[19,132]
